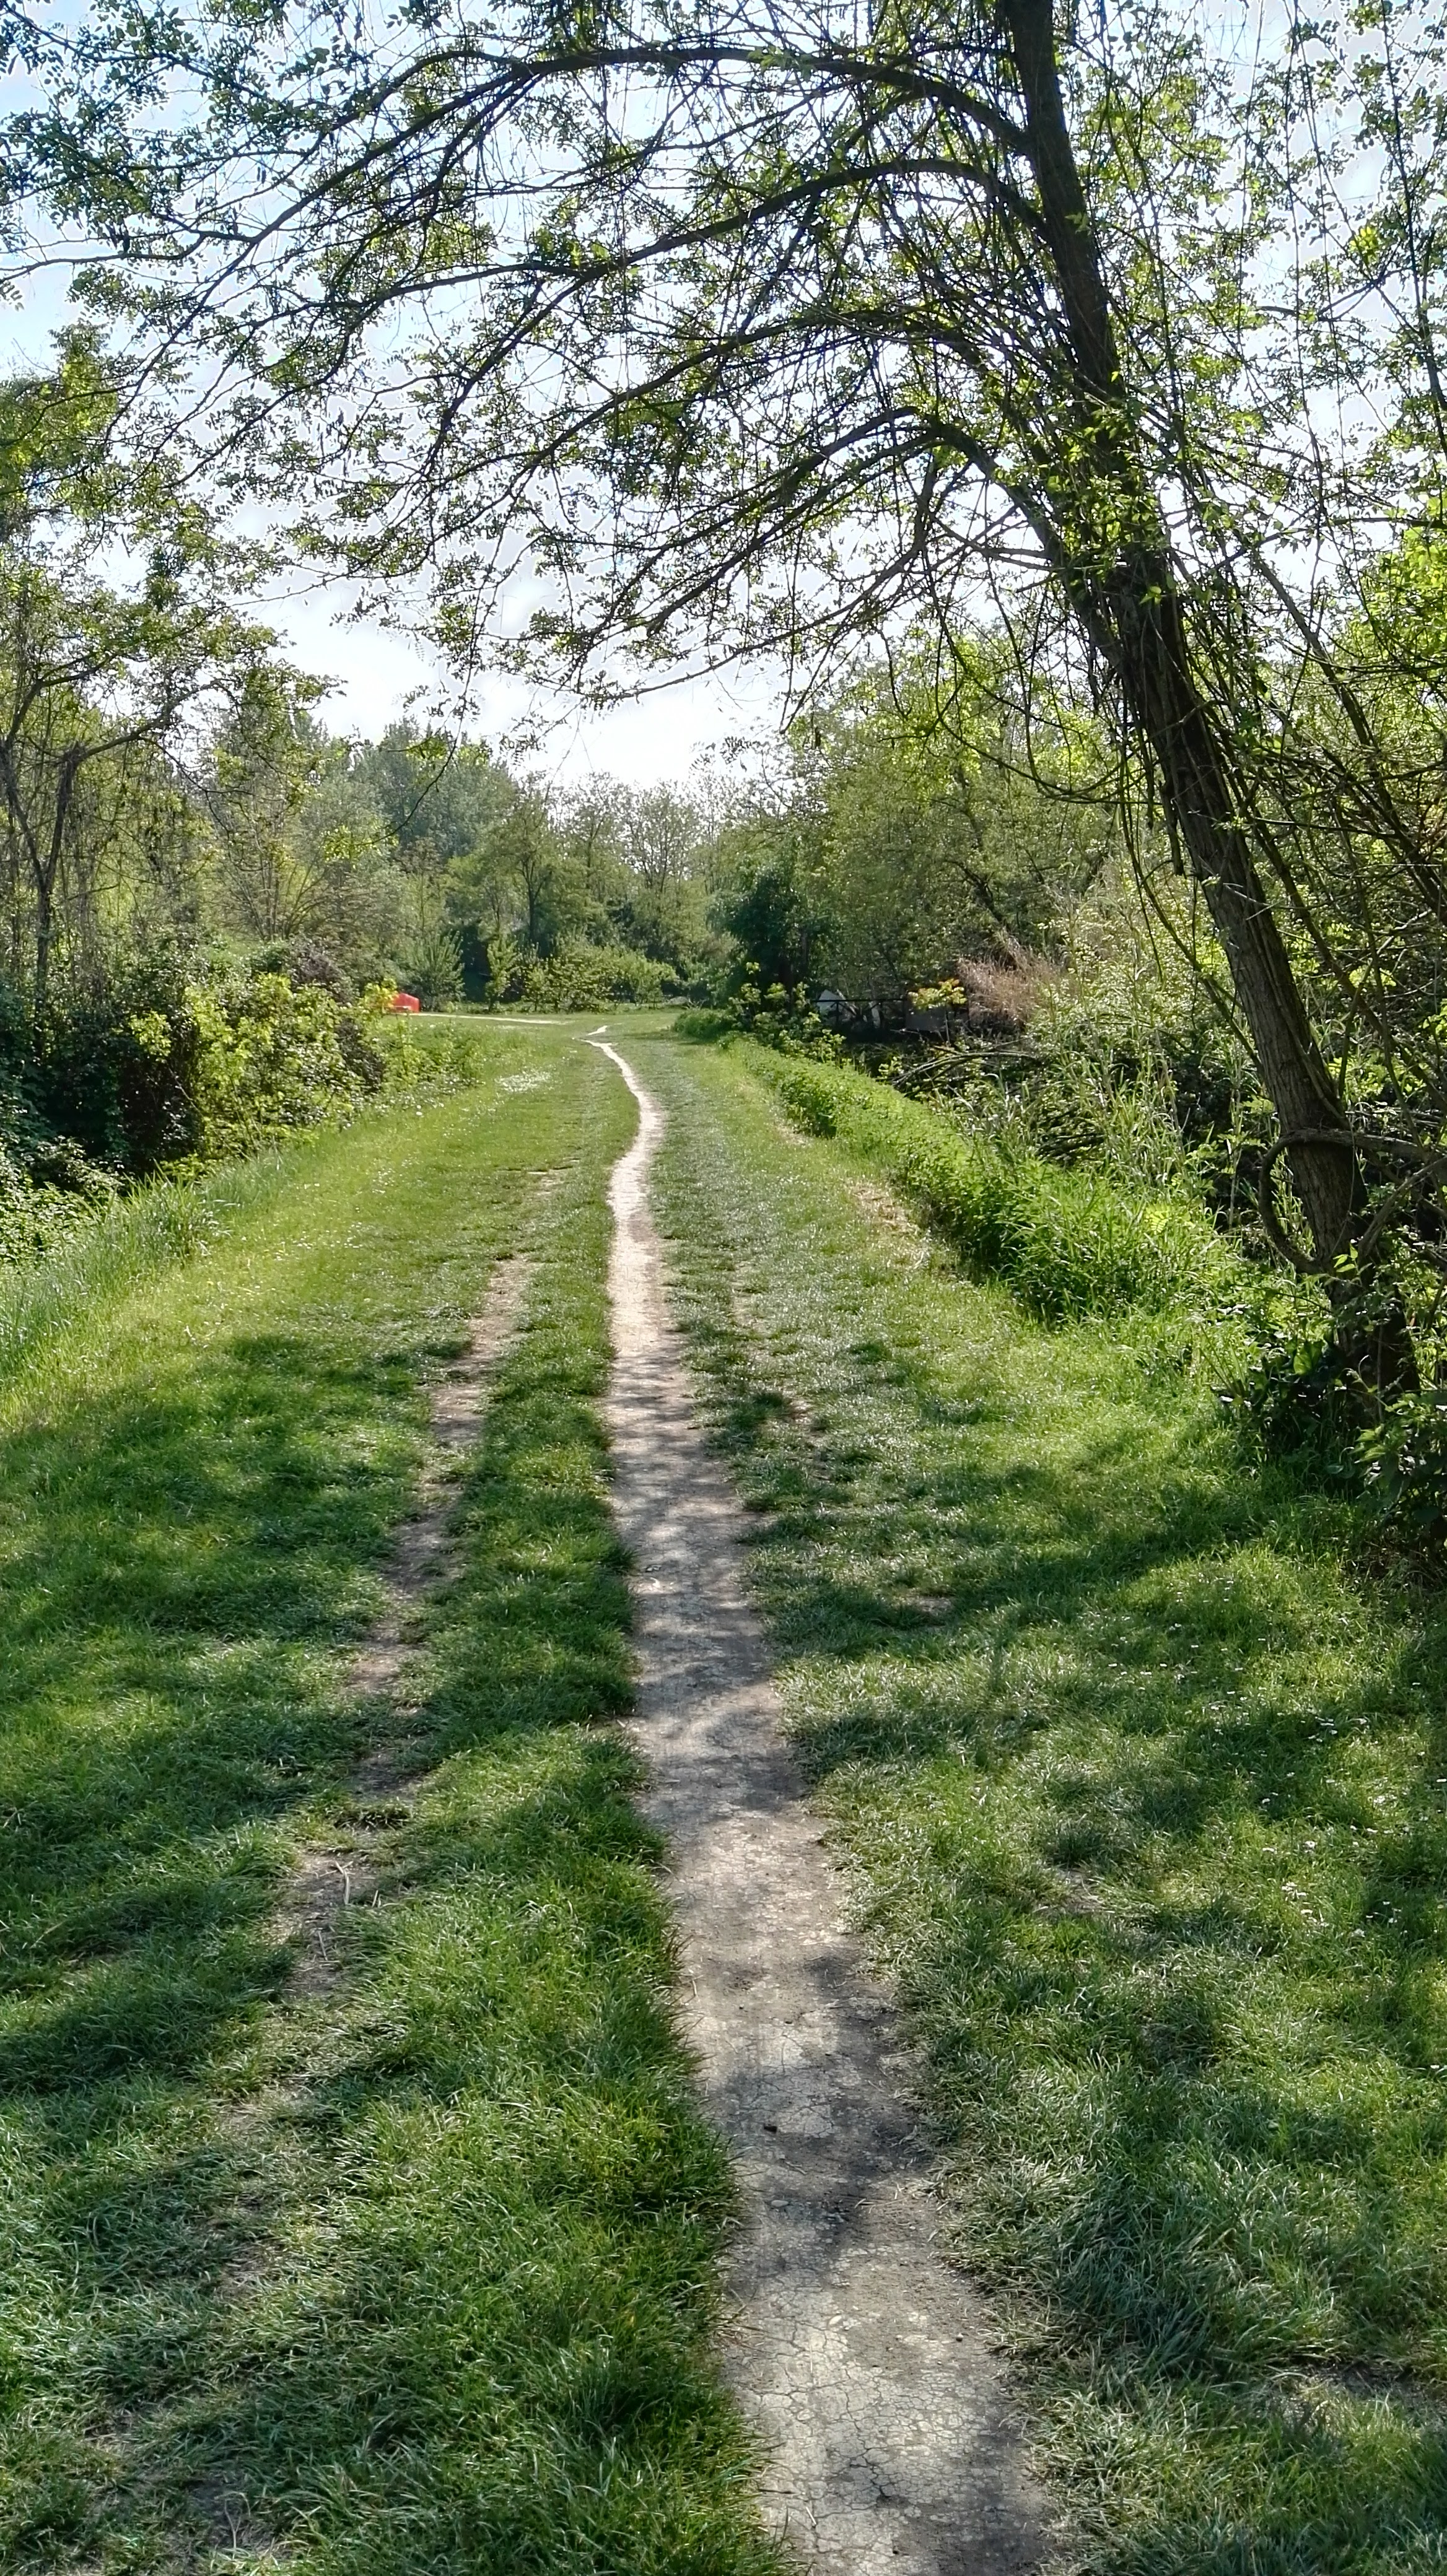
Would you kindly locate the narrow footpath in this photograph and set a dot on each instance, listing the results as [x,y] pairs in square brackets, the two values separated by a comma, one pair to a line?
[891,2437]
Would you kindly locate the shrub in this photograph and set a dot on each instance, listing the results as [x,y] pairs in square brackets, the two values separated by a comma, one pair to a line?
[35,1217]
[272,1055]
[1403,1465]
[582,977]
[420,1060]
[113,1065]
[1119,1063]
[211,1068]
[783,1020]
[1299,1397]
[1068,1243]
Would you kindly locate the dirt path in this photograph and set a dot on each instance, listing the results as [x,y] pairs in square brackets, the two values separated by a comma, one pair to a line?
[893,2443]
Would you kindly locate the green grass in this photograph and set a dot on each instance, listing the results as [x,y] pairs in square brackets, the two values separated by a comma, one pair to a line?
[1145,1795]
[1069,1243]
[415,2274]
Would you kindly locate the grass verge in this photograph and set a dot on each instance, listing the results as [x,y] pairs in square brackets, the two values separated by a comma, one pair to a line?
[101,1252]
[414,2272]
[1140,1788]
[1068,1243]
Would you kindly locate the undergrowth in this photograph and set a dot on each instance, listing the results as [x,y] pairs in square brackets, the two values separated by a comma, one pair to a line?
[1068,1243]
[1073,1243]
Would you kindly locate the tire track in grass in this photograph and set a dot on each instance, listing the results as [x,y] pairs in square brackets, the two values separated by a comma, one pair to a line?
[865,2362]
[326,1880]
[418,2273]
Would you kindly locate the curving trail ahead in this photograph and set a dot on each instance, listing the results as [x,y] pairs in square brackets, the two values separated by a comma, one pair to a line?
[891,2439]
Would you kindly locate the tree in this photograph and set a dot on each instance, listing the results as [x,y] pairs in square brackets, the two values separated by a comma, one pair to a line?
[948,825]
[742,326]
[771,902]
[532,883]
[96,678]
[436,792]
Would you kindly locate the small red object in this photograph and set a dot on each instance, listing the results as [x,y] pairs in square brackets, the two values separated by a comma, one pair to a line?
[404,1002]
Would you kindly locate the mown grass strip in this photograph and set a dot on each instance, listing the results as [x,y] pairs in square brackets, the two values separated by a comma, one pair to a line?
[416,2274]
[1147,1797]
[179,1215]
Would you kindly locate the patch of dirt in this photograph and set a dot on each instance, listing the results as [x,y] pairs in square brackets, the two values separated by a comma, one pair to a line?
[235,2536]
[1074,1894]
[884,1209]
[321,1887]
[933,1606]
[868,2365]
[1327,2385]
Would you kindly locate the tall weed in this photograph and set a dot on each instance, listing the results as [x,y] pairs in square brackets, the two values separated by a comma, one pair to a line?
[165,1220]
[1069,1243]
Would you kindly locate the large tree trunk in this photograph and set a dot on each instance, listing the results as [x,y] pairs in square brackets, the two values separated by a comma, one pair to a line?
[1151,656]
[1106,531]
[1124,589]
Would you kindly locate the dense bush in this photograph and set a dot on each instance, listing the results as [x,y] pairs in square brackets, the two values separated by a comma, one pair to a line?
[270,1055]
[159,1068]
[1296,1396]
[1117,1070]
[783,1019]
[585,977]
[37,1215]
[156,1065]
[306,961]
[1068,1243]
[109,1069]
[1403,1464]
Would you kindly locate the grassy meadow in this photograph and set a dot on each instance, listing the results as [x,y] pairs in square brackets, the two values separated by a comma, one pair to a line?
[411,2271]
[1134,1762]
[1128,1746]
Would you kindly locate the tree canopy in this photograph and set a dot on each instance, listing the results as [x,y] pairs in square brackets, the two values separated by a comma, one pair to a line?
[758,327]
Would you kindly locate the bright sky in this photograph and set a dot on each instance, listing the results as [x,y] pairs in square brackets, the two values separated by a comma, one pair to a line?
[653,738]
[378,669]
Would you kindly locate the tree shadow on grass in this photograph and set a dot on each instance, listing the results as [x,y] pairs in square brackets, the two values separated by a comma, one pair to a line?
[177,1557]
[177,1561]
[1180,1973]
[438,2295]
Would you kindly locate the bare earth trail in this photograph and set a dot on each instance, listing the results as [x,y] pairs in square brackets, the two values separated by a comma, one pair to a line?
[892,2440]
